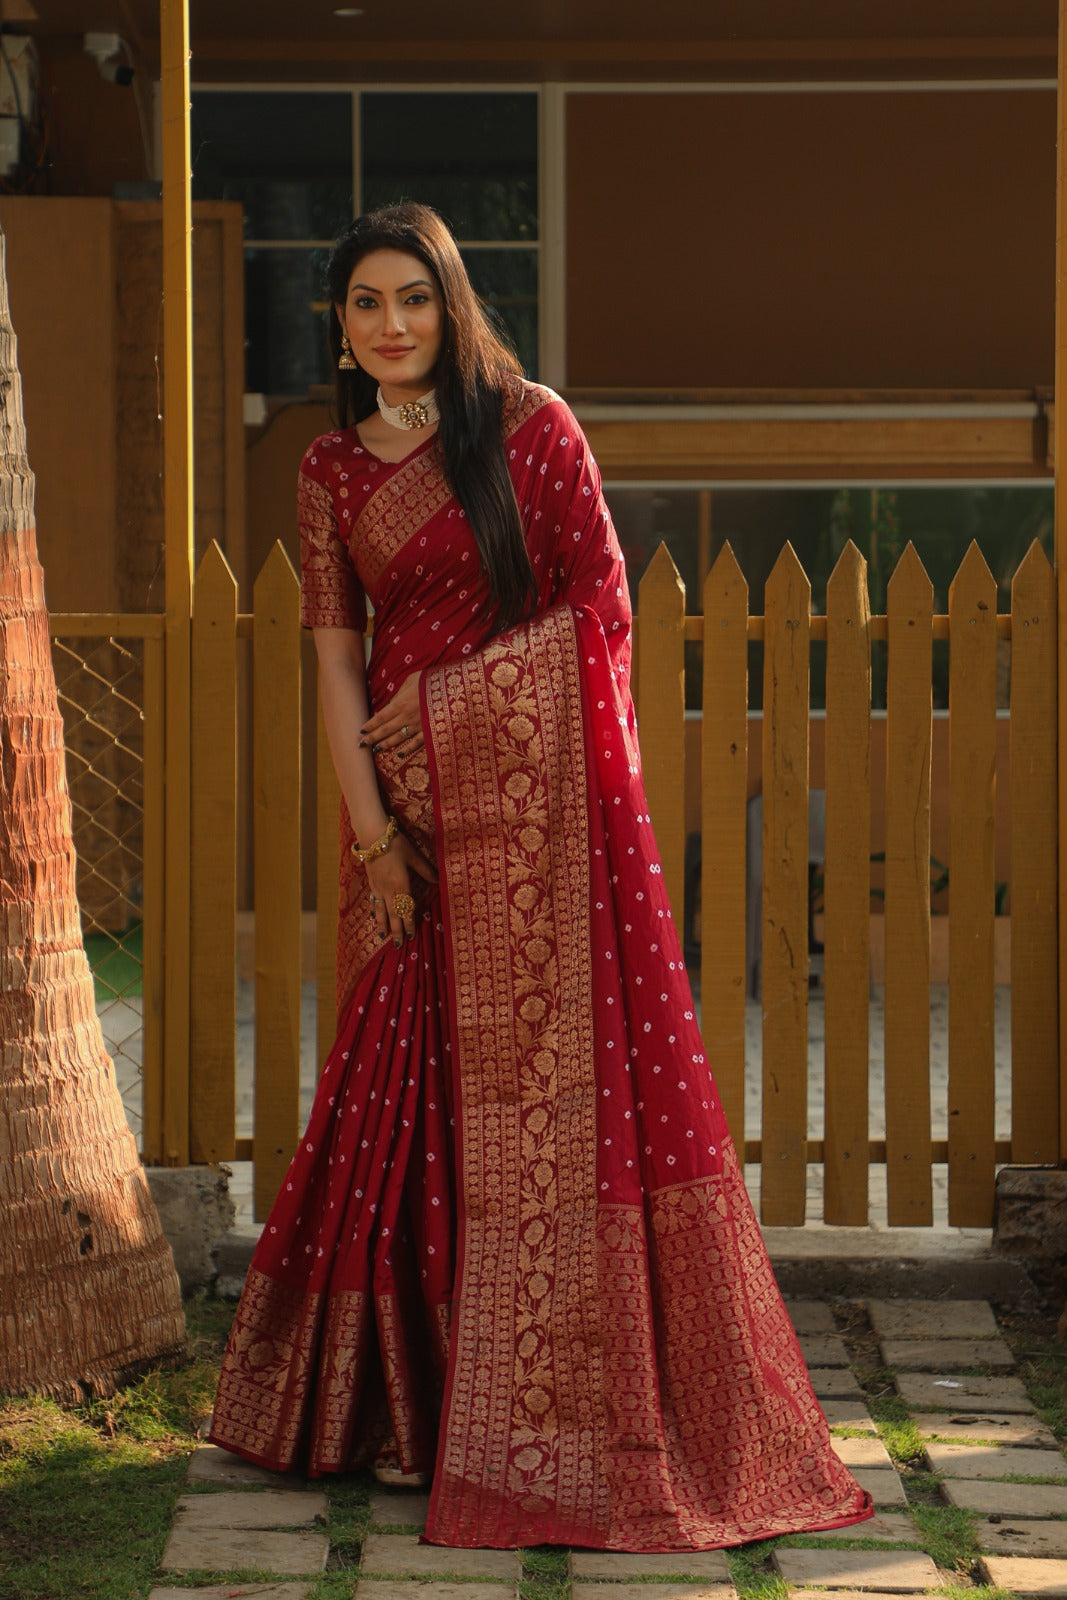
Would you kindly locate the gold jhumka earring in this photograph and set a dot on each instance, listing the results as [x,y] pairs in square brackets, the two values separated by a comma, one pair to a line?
[347,361]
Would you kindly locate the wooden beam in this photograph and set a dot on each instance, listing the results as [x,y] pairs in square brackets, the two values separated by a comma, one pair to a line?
[178,534]
[581,395]
[742,447]
[105,624]
[1006,52]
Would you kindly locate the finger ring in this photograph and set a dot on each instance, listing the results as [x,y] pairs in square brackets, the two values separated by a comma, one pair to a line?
[403,906]
[373,898]
[405,730]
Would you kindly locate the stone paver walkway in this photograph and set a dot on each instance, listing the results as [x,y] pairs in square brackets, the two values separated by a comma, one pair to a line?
[401,1555]
[644,1589]
[1025,1576]
[711,1565]
[984,1447]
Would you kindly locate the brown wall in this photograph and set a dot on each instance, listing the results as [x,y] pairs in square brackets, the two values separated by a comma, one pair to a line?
[94,132]
[64,321]
[86,286]
[272,462]
[802,240]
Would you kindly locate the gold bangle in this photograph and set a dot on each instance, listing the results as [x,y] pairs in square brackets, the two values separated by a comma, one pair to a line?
[379,847]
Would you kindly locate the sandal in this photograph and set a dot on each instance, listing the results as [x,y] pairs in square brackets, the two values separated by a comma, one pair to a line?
[388,1471]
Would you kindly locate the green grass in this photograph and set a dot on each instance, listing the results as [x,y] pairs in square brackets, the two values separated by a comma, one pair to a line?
[87,1493]
[544,1574]
[117,962]
[752,1574]
[349,1517]
[536,1589]
[545,1566]
[200,1577]
[1042,1366]
[895,1428]
[334,1586]
[947,1535]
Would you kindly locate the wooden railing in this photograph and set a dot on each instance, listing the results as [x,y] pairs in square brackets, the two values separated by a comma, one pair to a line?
[788,630]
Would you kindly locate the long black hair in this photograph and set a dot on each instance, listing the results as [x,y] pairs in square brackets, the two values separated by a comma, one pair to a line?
[471,379]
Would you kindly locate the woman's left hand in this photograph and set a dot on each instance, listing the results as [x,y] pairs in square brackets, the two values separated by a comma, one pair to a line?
[397,723]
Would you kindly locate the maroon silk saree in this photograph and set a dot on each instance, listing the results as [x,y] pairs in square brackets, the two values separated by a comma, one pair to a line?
[514,1239]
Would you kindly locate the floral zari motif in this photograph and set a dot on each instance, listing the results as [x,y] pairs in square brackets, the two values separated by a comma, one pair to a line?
[527,1376]
[622,1371]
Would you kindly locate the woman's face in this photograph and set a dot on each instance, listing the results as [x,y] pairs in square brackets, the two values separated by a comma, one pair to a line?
[394,318]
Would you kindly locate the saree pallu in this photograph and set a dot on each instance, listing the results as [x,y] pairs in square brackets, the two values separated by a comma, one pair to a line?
[622,1371]
[524,1084]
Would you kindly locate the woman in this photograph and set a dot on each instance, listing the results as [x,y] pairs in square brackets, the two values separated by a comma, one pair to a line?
[514,1245]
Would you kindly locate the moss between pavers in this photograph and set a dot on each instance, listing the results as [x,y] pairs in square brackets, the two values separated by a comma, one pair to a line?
[947,1535]
[199,1578]
[976,1591]
[752,1574]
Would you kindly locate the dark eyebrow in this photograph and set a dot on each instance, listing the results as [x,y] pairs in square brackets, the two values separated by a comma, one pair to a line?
[416,283]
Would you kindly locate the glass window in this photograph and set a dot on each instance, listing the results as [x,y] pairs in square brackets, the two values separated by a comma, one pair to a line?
[507,282]
[286,157]
[285,321]
[473,157]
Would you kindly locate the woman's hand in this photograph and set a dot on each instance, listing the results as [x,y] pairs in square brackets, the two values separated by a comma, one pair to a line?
[393,875]
[399,722]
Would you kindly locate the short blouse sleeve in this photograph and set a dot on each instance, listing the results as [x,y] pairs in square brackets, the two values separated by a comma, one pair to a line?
[331,595]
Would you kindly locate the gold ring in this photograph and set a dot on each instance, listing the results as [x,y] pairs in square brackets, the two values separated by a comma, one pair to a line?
[403,906]
[405,730]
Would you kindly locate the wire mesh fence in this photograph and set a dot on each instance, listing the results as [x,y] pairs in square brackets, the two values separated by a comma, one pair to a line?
[100,683]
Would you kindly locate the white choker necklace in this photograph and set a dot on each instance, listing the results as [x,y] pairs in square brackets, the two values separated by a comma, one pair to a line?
[413,413]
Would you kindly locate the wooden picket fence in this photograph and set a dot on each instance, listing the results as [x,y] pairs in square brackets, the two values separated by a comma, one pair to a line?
[787,631]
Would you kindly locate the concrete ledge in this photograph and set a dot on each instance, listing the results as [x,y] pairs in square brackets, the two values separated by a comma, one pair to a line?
[1030,1217]
[813,1262]
[233,1256]
[195,1213]
[893,1264]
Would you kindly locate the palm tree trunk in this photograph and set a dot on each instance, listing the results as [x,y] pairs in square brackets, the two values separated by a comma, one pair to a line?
[88,1290]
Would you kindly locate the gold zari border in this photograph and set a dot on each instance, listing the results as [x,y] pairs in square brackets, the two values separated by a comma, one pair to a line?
[527,1385]
[410,497]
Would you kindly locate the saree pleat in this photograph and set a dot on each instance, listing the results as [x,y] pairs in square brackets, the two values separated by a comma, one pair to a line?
[340,1338]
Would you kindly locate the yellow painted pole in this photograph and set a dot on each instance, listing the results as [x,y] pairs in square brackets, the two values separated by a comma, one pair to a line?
[1059,443]
[178,533]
